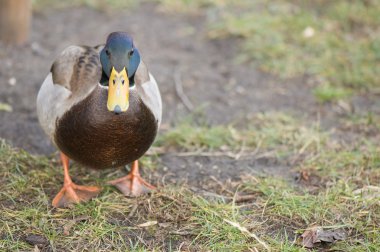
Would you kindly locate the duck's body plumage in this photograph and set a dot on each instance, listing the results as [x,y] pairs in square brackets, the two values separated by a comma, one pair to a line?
[72,110]
[101,139]
[102,108]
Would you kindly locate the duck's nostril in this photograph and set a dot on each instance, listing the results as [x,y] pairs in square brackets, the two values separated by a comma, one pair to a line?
[117,110]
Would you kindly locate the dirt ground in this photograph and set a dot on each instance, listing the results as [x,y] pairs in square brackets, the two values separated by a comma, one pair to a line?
[173,46]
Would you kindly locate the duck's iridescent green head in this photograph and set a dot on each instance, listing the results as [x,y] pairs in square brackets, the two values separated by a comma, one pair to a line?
[119,59]
[119,52]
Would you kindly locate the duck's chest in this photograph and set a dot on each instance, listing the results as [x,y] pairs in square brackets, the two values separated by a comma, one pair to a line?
[95,137]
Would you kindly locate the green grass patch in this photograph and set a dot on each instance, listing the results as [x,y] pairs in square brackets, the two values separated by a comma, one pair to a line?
[271,131]
[327,93]
[336,41]
[345,197]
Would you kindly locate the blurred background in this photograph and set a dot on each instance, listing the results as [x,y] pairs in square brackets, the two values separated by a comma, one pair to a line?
[222,59]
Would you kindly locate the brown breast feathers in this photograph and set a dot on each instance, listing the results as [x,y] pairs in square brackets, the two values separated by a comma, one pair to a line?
[95,137]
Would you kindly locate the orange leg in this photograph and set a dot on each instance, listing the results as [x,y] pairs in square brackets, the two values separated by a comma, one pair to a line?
[132,184]
[70,192]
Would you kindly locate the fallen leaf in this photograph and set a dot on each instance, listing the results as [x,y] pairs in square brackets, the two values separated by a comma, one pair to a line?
[148,224]
[330,236]
[309,238]
[316,235]
[304,175]
[36,239]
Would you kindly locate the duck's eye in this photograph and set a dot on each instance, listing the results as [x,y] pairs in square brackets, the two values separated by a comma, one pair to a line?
[122,82]
[108,52]
[131,53]
[114,82]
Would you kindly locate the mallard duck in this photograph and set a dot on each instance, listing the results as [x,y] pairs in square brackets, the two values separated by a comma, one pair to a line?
[102,108]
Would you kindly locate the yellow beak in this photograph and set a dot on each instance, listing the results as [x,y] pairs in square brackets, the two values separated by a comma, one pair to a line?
[118,91]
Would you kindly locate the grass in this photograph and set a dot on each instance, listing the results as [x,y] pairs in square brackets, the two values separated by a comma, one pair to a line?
[267,131]
[332,194]
[327,93]
[336,42]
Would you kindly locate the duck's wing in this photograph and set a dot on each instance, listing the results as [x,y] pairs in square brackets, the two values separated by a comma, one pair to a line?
[73,75]
[77,69]
[148,91]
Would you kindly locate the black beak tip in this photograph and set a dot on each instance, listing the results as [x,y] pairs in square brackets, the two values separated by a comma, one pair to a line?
[117,110]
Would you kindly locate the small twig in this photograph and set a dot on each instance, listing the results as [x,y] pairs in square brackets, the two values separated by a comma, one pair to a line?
[240,228]
[246,231]
[267,154]
[71,223]
[132,212]
[258,147]
[208,154]
[141,240]
[169,197]
[206,194]
[265,207]
[147,224]
[243,198]
[230,154]
[180,246]
[179,90]
[181,233]
[238,155]
[221,184]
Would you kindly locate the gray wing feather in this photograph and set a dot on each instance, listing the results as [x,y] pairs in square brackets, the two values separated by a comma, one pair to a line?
[78,69]
[74,74]
[148,90]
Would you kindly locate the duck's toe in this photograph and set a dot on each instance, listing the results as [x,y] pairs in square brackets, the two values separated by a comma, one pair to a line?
[72,193]
[132,185]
